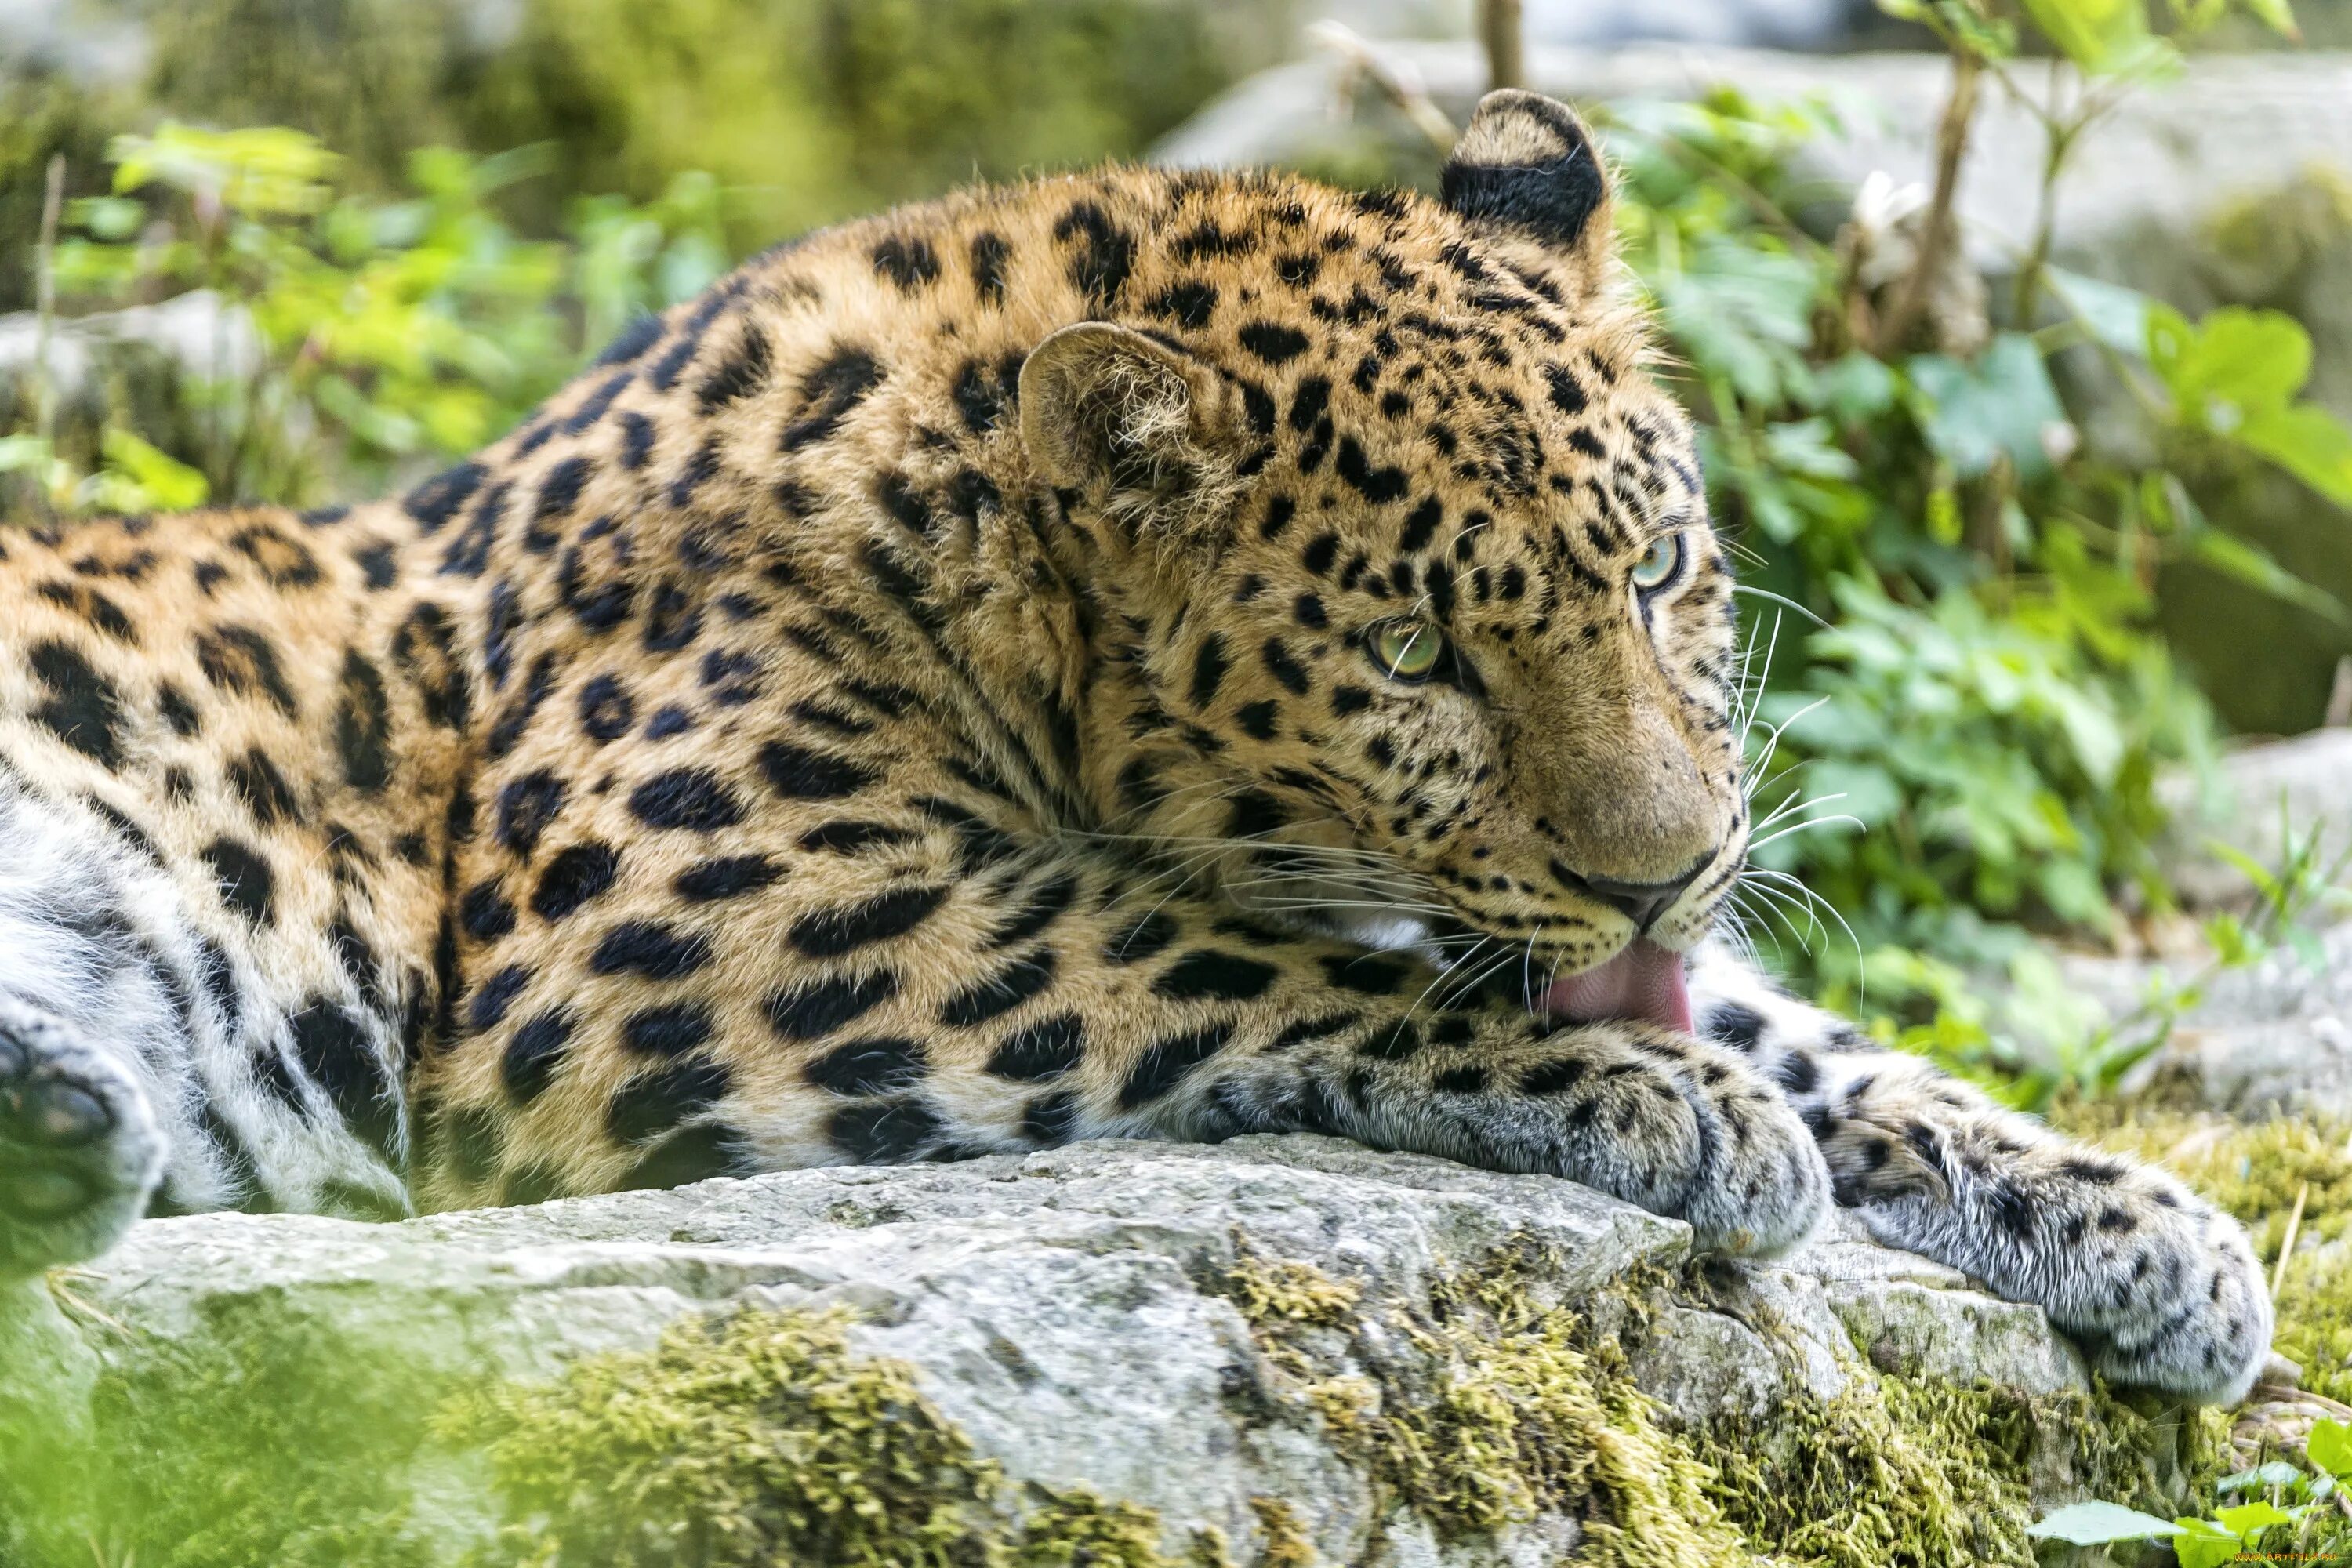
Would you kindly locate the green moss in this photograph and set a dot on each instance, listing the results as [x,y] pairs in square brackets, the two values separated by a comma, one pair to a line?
[1916,1474]
[2314,1331]
[263,1437]
[1079,1531]
[1509,1410]
[1513,1407]
[1282,1291]
[2255,1170]
[761,1439]
[1283,1541]
[752,1440]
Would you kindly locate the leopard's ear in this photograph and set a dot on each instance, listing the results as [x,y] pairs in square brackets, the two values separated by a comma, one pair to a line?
[1141,429]
[1528,166]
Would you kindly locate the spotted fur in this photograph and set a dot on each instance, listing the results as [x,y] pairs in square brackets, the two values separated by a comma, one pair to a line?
[959,687]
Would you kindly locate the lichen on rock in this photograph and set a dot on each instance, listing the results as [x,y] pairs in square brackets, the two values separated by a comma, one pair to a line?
[1507,1407]
[1514,1407]
[1273,1353]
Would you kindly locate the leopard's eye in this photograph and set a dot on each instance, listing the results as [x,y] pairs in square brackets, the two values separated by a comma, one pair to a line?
[1660,565]
[1406,650]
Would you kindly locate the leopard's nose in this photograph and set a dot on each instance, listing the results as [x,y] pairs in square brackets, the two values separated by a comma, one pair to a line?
[1642,902]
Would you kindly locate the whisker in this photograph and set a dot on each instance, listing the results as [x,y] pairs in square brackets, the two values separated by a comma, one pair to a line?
[1816,901]
[1772,745]
[1792,802]
[1755,593]
[1440,978]
[1809,822]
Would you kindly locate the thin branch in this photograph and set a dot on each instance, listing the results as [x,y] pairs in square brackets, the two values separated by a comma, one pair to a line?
[1936,234]
[1397,83]
[1500,29]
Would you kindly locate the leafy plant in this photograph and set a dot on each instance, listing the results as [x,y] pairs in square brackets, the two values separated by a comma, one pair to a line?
[383,332]
[2281,1510]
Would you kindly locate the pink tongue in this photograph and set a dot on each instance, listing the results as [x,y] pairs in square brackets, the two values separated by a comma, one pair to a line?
[1643,982]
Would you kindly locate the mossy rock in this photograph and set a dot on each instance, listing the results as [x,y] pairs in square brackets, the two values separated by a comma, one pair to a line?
[1276,1352]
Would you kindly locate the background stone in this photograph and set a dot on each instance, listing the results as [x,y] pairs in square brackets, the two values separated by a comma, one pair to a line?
[1065,1309]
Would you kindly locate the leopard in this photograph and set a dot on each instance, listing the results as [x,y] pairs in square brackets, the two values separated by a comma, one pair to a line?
[1136,654]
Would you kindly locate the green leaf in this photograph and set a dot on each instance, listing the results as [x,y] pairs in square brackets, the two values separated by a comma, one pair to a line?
[1870,793]
[2204,1545]
[2329,1446]
[2113,314]
[2251,564]
[1803,447]
[2278,1472]
[2308,442]
[2002,405]
[2250,1519]
[107,217]
[2100,35]
[1744,314]
[2095,1523]
[2275,14]
[24,451]
[166,483]
[2093,732]
[2234,363]
[1857,386]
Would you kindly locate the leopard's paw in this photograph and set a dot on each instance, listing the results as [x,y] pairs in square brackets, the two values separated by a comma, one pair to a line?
[79,1149]
[2186,1308]
[1680,1127]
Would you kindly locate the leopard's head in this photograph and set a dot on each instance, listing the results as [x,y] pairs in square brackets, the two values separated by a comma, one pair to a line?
[1413,576]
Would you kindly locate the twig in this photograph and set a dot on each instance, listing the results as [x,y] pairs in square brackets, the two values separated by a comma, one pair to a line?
[59,1281]
[41,386]
[1499,28]
[1397,83]
[2286,1247]
[1935,233]
[45,301]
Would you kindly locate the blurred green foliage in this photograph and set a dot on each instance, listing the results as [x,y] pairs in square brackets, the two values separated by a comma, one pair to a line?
[420,327]
[803,111]
[1960,704]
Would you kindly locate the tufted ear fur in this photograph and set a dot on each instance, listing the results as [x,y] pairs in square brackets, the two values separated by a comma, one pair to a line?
[1142,429]
[1526,165]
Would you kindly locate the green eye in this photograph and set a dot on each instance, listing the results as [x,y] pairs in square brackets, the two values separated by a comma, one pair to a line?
[1658,568]
[1406,650]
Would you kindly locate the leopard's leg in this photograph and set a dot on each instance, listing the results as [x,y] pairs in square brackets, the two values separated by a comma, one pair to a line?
[2157,1287]
[93,1064]
[146,1064]
[919,983]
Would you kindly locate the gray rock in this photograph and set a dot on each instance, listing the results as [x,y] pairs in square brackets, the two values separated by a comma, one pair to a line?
[192,336]
[1064,1310]
[2273,1037]
[2260,798]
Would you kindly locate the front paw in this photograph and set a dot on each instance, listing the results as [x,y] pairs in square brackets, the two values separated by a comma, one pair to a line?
[2205,1331]
[79,1149]
[1771,1188]
[2160,1291]
[1679,1127]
